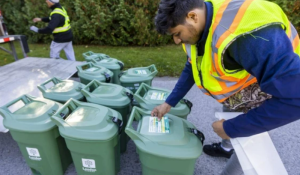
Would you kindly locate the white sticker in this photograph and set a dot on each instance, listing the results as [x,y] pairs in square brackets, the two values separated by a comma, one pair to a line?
[143,72]
[92,69]
[161,126]
[137,84]
[158,96]
[89,165]
[34,154]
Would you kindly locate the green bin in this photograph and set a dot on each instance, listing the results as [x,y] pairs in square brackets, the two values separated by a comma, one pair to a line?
[61,90]
[110,63]
[113,96]
[88,56]
[148,98]
[29,122]
[89,71]
[91,132]
[168,147]
[132,78]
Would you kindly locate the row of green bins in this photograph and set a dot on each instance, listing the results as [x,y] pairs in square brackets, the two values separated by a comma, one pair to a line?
[29,122]
[113,96]
[149,97]
[88,56]
[132,78]
[91,132]
[170,146]
[61,90]
[89,71]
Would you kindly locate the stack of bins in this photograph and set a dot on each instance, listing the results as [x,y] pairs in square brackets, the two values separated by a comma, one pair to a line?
[112,64]
[89,71]
[29,122]
[61,90]
[113,96]
[167,147]
[88,56]
[132,78]
[91,132]
[148,98]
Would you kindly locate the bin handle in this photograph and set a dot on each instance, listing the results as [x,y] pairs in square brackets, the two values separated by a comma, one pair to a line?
[133,134]
[121,65]
[118,122]
[137,95]
[198,134]
[188,103]
[120,74]
[96,60]
[42,86]
[107,77]
[89,53]
[154,72]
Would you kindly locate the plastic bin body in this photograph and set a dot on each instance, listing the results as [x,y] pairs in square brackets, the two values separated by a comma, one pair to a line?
[37,136]
[149,97]
[89,71]
[91,136]
[169,151]
[113,96]
[62,90]
[132,78]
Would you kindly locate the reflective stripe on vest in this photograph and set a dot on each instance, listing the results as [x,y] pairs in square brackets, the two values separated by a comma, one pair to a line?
[233,18]
[67,25]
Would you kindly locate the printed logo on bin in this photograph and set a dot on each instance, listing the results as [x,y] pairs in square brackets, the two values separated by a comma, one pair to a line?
[89,165]
[34,154]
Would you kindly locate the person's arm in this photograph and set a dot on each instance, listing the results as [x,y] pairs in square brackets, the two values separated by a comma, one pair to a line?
[54,22]
[45,19]
[183,85]
[268,55]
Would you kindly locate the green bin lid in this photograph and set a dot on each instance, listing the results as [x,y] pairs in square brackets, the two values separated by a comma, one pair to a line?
[138,74]
[149,97]
[87,121]
[172,137]
[62,90]
[107,94]
[88,56]
[91,71]
[30,114]
[108,62]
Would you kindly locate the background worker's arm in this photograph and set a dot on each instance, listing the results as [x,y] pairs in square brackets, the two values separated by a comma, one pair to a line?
[183,85]
[54,22]
[277,69]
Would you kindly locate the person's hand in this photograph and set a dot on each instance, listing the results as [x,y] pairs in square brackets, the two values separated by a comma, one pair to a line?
[35,29]
[161,110]
[218,129]
[37,19]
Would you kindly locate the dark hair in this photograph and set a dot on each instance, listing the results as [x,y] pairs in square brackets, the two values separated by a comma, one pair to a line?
[171,13]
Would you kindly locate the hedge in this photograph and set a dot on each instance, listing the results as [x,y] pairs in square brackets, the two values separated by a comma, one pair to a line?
[105,22]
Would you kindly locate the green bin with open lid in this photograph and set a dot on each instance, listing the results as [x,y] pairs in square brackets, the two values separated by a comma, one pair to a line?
[29,122]
[89,71]
[132,78]
[113,96]
[61,90]
[92,133]
[88,56]
[110,63]
[166,147]
[149,97]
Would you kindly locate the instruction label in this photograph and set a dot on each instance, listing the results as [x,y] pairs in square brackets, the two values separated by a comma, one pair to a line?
[34,154]
[158,96]
[143,72]
[89,165]
[161,126]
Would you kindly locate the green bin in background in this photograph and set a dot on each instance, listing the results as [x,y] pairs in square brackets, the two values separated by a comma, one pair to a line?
[112,64]
[132,78]
[167,147]
[88,56]
[29,122]
[89,71]
[91,132]
[61,90]
[149,97]
[113,96]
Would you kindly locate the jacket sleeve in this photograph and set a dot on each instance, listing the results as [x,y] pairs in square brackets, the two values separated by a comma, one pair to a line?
[268,55]
[183,85]
[54,22]
[45,19]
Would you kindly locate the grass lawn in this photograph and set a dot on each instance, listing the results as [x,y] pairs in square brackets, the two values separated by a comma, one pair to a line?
[169,60]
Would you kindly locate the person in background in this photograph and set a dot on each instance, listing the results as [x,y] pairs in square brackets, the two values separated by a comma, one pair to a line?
[59,26]
[242,53]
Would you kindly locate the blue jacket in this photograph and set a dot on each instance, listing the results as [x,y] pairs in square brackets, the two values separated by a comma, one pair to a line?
[268,55]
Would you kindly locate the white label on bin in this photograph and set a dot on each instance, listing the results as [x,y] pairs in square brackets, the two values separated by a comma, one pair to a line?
[89,165]
[161,126]
[158,96]
[92,69]
[34,154]
[143,72]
